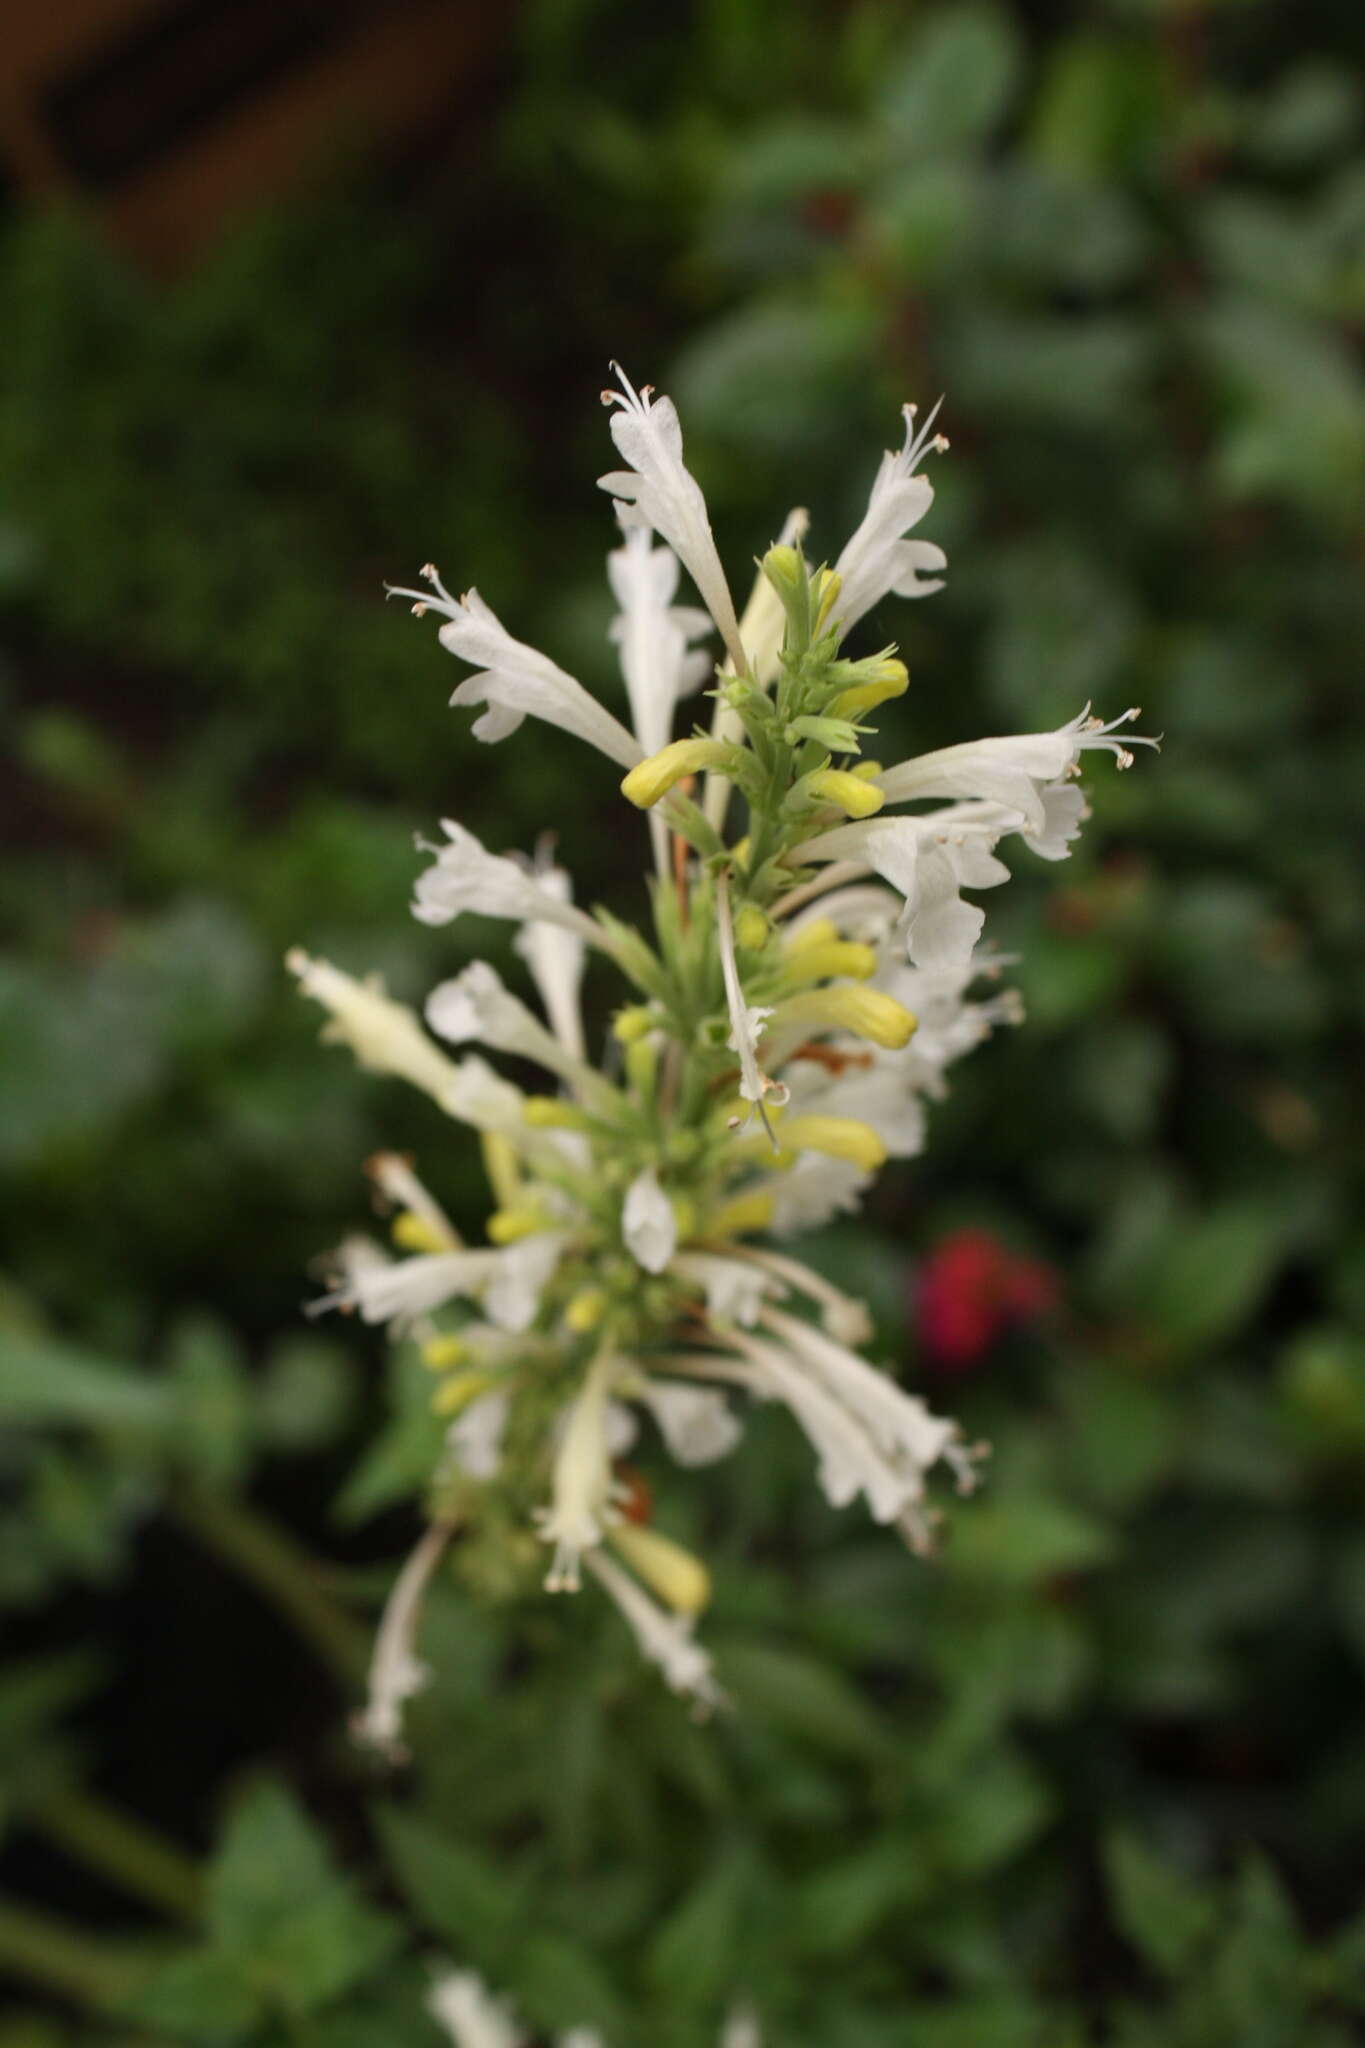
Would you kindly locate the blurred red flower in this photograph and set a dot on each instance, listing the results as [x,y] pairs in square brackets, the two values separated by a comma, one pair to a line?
[971,1289]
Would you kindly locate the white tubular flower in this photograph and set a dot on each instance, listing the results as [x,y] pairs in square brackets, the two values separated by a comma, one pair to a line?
[734,1286]
[460,2002]
[400,1289]
[385,1036]
[508,1280]
[814,1191]
[554,950]
[475,1004]
[648,1224]
[929,859]
[580,1504]
[466,876]
[485,1099]
[662,1638]
[1013,771]
[474,1439]
[899,1423]
[581,2037]
[658,664]
[697,1423]
[513,680]
[519,1277]
[668,497]
[652,634]
[877,562]
[1065,810]
[844,1317]
[396,1671]
[850,1460]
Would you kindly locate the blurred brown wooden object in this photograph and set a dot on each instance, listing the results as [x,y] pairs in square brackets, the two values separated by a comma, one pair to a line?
[168,116]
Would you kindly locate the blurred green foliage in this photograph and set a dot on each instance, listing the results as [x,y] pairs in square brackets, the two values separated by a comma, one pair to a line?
[1098,1776]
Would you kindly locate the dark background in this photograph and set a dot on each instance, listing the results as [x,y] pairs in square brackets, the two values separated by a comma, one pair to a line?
[296,299]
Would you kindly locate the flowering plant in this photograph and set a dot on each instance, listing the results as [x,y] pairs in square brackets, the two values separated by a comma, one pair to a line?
[810,971]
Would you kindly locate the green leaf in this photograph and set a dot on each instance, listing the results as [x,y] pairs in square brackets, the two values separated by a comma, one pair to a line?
[806,1697]
[954,82]
[47,1383]
[276,1908]
[693,1957]
[1163,1913]
[454,1889]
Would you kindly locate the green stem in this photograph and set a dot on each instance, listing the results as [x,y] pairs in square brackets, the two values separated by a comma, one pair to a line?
[280,1569]
[63,1959]
[118,1847]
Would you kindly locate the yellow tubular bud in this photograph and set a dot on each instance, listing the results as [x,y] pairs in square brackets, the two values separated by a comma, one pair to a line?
[821,931]
[631,1023]
[892,680]
[832,960]
[500,1168]
[642,1068]
[413,1233]
[443,1354]
[866,1012]
[838,1137]
[586,1310]
[866,771]
[752,1211]
[551,1113]
[825,586]
[679,1579]
[854,797]
[456,1393]
[507,1226]
[751,928]
[653,778]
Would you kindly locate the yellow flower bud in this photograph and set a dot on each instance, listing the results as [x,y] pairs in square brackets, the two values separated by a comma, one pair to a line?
[507,1226]
[866,1012]
[456,1393]
[500,1168]
[751,928]
[642,1068]
[833,959]
[838,1137]
[551,1113]
[586,1310]
[679,1579]
[825,586]
[413,1233]
[443,1354]
[888,679]
[821,931]
[653,778]
[853,795]
[751,1211]
[633,1022]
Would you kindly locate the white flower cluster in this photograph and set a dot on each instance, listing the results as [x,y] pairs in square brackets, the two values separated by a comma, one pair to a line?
[808,980]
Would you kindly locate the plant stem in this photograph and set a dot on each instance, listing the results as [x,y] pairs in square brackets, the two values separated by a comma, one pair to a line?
[64,1959]
[280,1569]
[118,1847]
